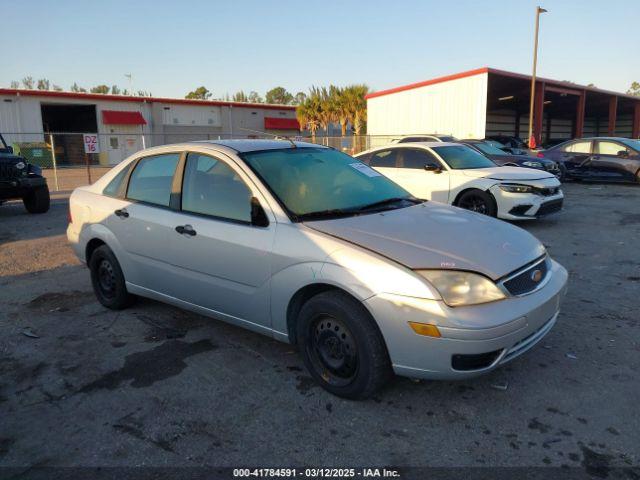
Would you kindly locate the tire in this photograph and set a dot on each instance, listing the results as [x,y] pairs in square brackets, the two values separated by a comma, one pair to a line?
[108,280]
[37,201]
[479,202]
[341,346]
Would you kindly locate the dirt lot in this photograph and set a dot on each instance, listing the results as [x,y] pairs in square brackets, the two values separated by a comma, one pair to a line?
[153,385]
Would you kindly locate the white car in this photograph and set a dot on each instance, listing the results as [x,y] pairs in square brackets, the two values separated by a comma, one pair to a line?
[456,174]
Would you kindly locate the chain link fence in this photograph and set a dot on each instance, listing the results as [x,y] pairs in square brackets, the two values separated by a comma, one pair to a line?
[66,166]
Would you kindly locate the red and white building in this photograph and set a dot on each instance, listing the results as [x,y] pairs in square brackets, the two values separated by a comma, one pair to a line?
[126,124]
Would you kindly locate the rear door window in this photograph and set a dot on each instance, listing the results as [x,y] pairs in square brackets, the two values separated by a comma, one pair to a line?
[583,146]
[384,159]
[151,179]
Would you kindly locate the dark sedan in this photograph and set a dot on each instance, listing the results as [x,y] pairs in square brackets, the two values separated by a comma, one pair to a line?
[614,159]
[506,159]
[514,145]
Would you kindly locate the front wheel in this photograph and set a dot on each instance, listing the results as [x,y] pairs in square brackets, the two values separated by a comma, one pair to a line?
[108,280]
[341,346]
[37,200]
[479,202]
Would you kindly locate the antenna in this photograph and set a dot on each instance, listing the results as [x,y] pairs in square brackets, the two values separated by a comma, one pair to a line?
[293,144]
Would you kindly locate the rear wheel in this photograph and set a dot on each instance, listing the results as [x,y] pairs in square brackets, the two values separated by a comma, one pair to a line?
[108,280]
[341,346]
[479,202]
[37,200]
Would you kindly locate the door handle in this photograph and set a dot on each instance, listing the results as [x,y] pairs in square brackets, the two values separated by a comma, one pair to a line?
[186,230]
[122,213]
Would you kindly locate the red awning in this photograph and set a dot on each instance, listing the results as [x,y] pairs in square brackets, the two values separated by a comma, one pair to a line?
[275,123]
[113,117]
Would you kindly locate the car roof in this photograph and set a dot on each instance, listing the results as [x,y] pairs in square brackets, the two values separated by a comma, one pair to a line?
[254,144]
[396,146]
[601,138]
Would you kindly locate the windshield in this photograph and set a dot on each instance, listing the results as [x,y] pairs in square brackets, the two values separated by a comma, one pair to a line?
[488,149]
[495,143]
[324,182]
[460,157]
[635,144]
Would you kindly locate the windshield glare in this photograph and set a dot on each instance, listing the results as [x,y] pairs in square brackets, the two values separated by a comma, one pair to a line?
[489,149]
[310,180]
[460,157]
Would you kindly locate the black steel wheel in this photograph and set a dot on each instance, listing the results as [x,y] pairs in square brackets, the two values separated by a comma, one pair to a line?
[479,202]
[108,280]
[341,345]
[333,350]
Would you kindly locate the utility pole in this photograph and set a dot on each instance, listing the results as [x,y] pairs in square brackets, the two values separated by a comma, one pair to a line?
[130,77]
[539,10]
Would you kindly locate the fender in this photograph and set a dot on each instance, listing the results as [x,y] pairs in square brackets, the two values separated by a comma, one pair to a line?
[374,276]
[101,232]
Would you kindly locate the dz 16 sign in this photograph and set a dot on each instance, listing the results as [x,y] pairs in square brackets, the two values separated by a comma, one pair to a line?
[91,144]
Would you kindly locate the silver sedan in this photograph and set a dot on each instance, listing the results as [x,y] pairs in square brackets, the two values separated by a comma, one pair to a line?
[313,247]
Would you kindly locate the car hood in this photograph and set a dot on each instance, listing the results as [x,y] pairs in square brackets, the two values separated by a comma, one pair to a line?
[504,173]
[434,236]
[10,158]
[519,159]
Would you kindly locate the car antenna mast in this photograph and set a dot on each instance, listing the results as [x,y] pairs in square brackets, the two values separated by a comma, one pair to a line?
[293,144]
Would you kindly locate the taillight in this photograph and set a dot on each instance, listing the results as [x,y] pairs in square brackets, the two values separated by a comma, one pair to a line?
[540,155]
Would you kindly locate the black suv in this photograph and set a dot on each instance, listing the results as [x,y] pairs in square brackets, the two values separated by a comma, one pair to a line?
[19,179]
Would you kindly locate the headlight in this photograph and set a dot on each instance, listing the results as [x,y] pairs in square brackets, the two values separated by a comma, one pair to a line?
[532,164]
[514,188]
[462,288]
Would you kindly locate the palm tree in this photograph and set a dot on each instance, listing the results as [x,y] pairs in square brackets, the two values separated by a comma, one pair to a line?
[326,111]
[308,114]
[357,108]
[338,98]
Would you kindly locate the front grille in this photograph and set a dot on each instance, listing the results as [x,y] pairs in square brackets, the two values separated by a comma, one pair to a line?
[547,192]
[8,171]
[547,208]
[528,280]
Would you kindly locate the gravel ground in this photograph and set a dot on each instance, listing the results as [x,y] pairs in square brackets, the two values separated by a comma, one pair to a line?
[155,386]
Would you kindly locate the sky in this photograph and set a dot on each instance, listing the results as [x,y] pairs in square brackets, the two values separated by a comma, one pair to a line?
[172,47]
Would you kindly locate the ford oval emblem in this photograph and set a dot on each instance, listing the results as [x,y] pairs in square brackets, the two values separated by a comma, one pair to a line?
[536,275]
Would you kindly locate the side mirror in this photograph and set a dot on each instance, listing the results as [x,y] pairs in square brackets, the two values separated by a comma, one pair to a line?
[623,153]
[432,168]
[258,215]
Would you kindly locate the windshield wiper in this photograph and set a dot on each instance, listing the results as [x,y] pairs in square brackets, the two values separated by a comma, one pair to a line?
[335,212]
[389,201]
[346,212]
